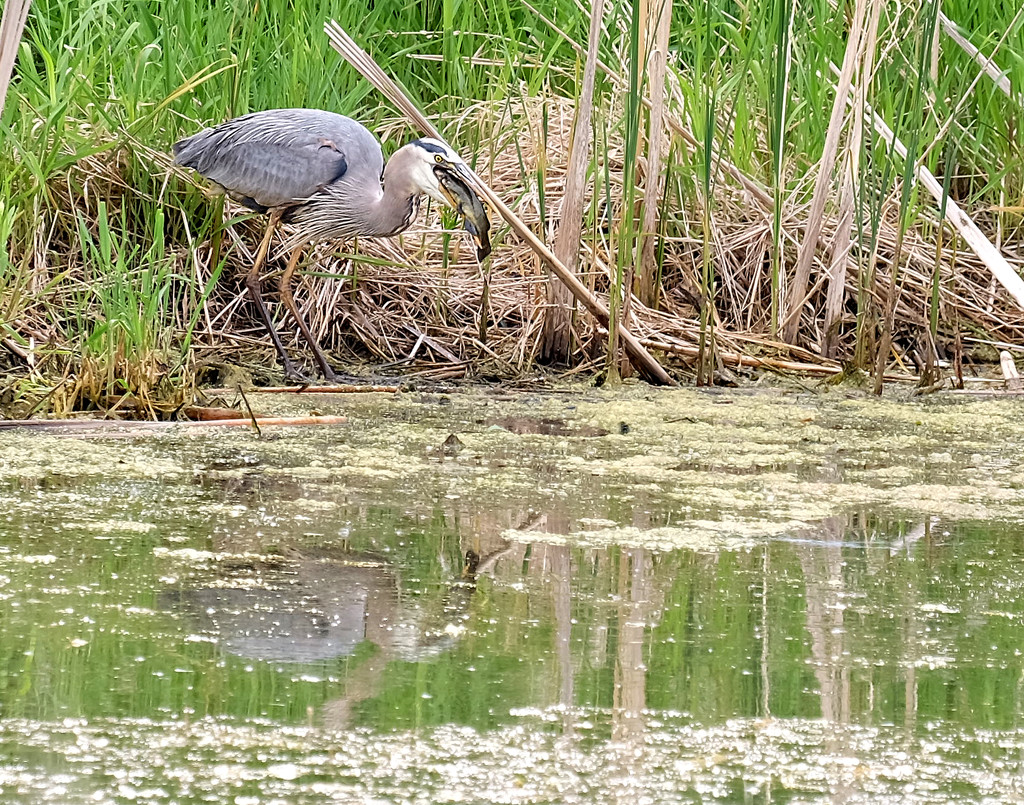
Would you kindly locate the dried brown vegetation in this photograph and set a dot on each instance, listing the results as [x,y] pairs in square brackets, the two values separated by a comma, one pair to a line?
[416,300]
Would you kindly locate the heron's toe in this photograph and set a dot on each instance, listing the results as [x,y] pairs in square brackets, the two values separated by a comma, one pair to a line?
[344,379]
[293,375]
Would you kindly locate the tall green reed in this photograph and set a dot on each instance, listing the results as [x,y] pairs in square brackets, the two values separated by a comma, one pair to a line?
[627,227]
[708,68]
[916,92]
[781,62]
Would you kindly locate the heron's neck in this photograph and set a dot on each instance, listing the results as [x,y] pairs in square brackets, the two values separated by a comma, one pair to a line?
[395,210]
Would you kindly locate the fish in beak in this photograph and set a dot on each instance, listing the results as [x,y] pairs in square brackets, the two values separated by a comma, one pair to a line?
[456,189]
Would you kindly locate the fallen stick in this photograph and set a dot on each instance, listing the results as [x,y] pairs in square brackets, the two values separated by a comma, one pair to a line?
[741,360]
[264,421]
[76,427]
[993,394]
[373,73]
[336,389]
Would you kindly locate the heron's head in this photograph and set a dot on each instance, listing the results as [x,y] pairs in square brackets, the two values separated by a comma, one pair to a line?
[421,160]
[429,166]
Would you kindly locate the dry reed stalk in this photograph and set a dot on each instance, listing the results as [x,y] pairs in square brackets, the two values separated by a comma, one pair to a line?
[993,259]
[557,316]
[836,296]
[654,180]
[337,389]
[372,72]
[11,27]
[823,181]
[741,360]
[109,427]
[987,63]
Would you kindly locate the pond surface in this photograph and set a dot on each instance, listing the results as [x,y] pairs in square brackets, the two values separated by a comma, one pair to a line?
[582,597]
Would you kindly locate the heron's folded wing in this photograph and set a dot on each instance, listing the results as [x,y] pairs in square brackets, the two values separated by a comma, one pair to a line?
[272,171]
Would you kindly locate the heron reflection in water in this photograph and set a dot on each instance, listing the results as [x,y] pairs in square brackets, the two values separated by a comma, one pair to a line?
[312,609]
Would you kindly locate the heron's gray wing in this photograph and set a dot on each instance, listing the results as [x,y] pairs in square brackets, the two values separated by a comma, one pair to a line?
[273,175]
[278,157]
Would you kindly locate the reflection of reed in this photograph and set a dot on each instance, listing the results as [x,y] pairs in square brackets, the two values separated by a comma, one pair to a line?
[911,626]
[825,587]
[638,612]
[630,576]
[561,593]
[766,683]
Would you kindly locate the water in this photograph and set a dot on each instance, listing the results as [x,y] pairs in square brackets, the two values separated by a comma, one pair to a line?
[733,598]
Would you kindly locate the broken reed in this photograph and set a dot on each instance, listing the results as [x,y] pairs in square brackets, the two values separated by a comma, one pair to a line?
[101,90]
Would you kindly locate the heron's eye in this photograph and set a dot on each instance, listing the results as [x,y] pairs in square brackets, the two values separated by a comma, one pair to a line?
[438,159]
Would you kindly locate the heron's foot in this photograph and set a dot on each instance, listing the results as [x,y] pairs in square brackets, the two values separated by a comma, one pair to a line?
[344,379]
[293,375]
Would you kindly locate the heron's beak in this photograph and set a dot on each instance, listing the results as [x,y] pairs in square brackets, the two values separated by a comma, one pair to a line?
[445,195]
[455,183]
[455,174]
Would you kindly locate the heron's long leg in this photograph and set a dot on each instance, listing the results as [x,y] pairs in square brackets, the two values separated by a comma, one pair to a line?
[285,288]
[252,284]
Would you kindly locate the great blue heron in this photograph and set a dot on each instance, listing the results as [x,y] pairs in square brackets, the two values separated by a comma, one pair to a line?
[325,174]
